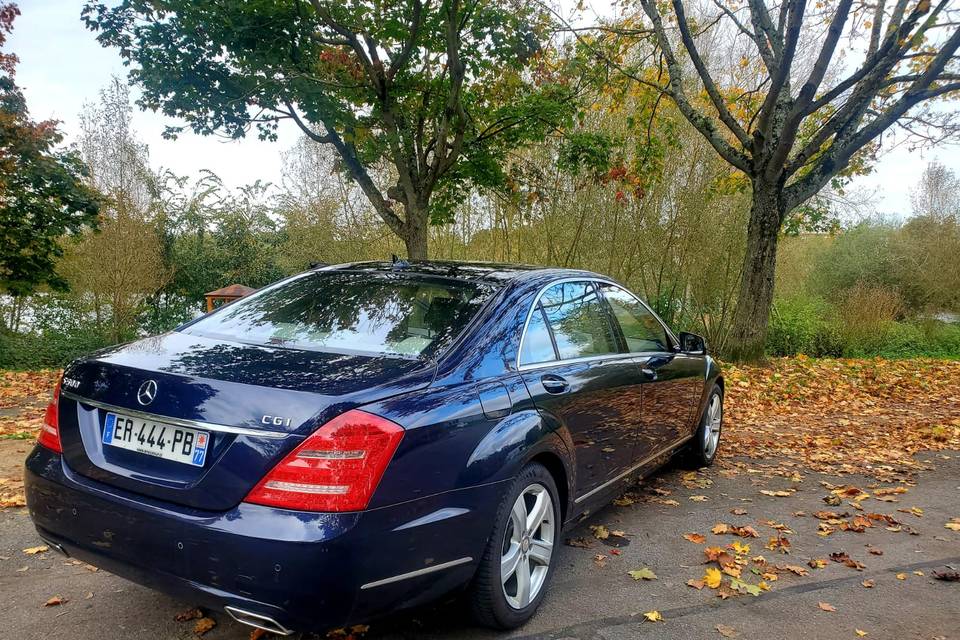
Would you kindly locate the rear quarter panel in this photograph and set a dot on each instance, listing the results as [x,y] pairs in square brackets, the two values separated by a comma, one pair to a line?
[450,443]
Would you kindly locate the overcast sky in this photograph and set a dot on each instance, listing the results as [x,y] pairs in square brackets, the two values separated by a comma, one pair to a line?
[62,66]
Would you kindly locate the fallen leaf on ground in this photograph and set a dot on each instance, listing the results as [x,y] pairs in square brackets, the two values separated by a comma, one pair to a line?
[779,544]
[203,625]
[55,601]
[189,614]
[739,548]
[725,631]
[600,532]
[581,542]
[32,551]
[642,574]
[776,494]
[867,583]
[901,576]
[712,578]
[653,616]
[859,632]
[826,607]
[744,532]
[947,575]
[695,538]
[953,525]
[844,559]
[696,584]
[738,512]
[745,587]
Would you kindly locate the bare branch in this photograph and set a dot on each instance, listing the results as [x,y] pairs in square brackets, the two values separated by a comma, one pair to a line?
[702,123]
[706,78]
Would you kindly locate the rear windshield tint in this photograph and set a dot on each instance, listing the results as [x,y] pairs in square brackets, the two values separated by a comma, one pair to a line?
[358,313]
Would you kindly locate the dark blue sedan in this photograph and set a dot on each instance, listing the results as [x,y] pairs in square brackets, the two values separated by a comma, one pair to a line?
[363,438]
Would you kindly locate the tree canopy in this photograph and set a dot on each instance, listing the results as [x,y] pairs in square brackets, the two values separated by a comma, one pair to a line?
[421,99]
[42,191]
[790,110]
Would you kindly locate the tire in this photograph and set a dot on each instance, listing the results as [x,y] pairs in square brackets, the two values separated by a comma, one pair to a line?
[499,602]
[702,450]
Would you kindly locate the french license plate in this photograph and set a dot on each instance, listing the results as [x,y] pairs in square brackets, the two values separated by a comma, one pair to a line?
[167,441]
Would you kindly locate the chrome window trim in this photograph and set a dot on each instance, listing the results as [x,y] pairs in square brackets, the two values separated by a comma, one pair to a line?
[643,462]
[417,573]
[180,422]
[607,356]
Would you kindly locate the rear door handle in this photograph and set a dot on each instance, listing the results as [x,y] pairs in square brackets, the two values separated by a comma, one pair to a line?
[648,373]
[554,384]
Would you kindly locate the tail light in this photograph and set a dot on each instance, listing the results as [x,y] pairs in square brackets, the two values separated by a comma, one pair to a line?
[50,431]
[337,468]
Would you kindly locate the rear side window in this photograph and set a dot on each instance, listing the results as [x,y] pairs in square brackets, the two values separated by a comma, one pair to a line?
[537,344]
[641,329]
[345,312]
[579,320]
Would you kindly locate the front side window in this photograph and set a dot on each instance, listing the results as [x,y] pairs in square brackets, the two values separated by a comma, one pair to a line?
[641,329]
[351,312]
[579,321]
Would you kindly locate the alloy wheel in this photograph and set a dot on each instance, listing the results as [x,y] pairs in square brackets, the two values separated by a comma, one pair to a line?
[711,434]
[527,546]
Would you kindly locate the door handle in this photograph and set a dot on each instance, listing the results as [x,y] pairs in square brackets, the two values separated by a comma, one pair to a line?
[554,384]
[648,373]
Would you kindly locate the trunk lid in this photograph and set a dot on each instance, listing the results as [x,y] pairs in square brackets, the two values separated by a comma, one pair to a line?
[255,403]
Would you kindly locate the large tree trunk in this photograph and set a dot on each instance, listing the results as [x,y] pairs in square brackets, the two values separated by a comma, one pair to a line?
[749,331]
[415,233]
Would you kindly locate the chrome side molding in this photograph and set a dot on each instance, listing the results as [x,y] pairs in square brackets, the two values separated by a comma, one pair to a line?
[417,573]
[643,462]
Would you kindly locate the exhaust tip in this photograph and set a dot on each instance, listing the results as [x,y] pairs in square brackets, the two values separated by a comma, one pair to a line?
[258,621]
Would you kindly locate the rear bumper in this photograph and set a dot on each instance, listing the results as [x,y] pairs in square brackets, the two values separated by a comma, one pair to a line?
[307,571]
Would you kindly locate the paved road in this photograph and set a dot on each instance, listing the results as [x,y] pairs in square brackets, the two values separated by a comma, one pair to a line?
[589,601]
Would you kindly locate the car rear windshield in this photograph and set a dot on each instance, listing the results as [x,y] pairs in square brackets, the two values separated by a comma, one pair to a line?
[356,313]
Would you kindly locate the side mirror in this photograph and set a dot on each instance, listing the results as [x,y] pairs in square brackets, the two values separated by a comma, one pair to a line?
[692,343]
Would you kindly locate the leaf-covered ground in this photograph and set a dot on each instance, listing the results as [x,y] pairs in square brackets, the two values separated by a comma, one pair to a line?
[24,396]
[842,416]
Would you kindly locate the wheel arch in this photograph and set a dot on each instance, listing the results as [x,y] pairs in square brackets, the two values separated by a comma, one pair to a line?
[558,470]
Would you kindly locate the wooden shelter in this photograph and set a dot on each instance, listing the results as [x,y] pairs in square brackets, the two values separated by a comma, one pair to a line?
[226,294]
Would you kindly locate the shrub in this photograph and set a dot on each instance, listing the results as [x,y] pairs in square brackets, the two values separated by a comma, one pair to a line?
[796,326]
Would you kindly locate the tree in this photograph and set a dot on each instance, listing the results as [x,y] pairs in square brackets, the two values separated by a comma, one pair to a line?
[435,91]
[937,196]
[793,115]
[42,190]
[121,265]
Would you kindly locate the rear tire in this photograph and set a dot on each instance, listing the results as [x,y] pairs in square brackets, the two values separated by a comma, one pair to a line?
[702,450]
[517,562]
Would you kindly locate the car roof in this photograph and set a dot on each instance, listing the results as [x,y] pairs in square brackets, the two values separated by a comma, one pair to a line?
[487,272]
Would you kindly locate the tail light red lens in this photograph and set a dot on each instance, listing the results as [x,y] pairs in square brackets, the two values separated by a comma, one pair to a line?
[50,431]
[337,468]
